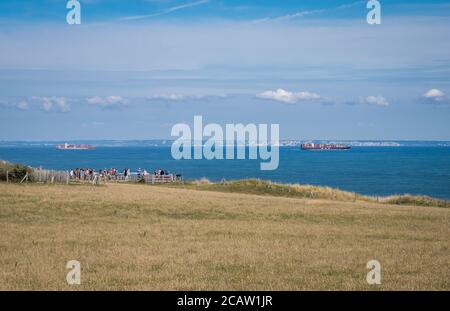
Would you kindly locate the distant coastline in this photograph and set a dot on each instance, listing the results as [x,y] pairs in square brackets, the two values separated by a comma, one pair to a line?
[283,143]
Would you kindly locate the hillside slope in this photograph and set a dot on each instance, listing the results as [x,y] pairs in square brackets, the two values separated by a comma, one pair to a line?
[163,238]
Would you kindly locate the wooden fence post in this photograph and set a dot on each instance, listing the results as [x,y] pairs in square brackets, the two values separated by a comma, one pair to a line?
[7,177]
[26,177]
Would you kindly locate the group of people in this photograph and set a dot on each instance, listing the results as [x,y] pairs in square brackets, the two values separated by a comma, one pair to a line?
[82,173]
[144,173]
[160,173]
[89,174]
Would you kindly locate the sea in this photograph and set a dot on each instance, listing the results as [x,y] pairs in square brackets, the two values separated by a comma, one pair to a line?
[371,168]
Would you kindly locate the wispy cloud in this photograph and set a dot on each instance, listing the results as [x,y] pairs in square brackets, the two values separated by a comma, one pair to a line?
[21,105]
[93,124]
[304,13]
[53,103]
[48,104]
[376,100]
[170,97]
[180,97]
[372,100]
[107,102]
[166,11]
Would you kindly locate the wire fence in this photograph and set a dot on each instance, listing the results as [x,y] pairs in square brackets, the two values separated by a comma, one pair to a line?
[49,176]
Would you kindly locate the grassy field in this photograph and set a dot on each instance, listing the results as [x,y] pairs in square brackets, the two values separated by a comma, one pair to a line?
[180,238]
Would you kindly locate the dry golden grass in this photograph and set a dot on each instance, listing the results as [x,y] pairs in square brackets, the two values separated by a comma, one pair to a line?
[162,238]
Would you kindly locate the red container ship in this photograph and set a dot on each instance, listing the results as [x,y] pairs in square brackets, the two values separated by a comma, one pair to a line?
[313,146]
[67,146]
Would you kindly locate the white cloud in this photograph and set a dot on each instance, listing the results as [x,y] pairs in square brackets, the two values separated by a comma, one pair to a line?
[435,96]
[288,97]
[376,100]
[54,103]
[434,93]
[106,102]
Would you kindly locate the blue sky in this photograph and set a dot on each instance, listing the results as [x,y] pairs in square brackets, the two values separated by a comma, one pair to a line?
[134,68]
[109,10]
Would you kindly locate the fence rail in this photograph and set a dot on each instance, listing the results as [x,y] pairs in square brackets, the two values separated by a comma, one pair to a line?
[134,177]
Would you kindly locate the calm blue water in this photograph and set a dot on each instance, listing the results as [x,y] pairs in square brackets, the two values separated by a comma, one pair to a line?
[366,170]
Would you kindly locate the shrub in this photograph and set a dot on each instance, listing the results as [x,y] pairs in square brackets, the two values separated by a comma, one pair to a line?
[16,172]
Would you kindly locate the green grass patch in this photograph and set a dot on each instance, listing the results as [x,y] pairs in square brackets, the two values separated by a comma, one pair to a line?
[261,187]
